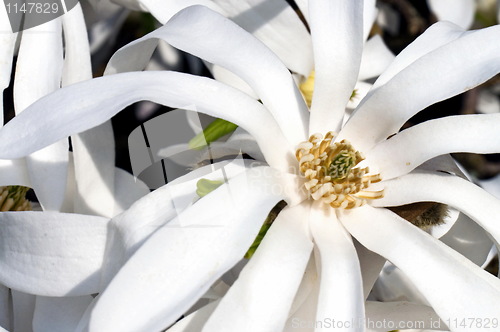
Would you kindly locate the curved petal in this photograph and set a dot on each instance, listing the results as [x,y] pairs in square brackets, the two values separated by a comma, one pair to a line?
[59,314]
[207,240]
[337,33]
[163,10]
[375,59]
[267,285]
[432,77]
[435,269]
[212,37]
[38,73]
[14,172]
[64,112]
[277,26]
[341,288]
[459,12]
[408,149]
[448,189]
[52,254]
[133,227]
[93,150]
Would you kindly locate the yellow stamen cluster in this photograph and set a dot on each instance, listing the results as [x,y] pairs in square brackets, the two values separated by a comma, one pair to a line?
[13,198]
[331,172]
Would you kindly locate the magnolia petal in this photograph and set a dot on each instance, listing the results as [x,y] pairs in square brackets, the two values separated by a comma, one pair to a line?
[128,190]
[448,189]
[370,12]
[204,33]
[459,12]
[131,228]
[307,285]
[23,310]
[426,81]
[59,314]
[375,59]
[211,236]
[64,113]
[337,35]
[267,285]
[5,307]
[469,239]
[225,76]
[52,254]
[196,320]
[463,133]
[277,26]
[93,150]
[40,52]
[492,186]
[404,315]
[371,264]
[422,258]
[341,288]
[305,316]
[163,10]
[14,172]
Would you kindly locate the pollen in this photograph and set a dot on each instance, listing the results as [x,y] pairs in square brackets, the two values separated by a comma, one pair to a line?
[331,172]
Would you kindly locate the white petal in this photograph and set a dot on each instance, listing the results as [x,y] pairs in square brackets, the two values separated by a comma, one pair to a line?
[128,189]
[261,297]
[370,12]
[408,149]
[459,12]
[204,33]
[341,288]
[5,307]
[14,172]
[305,316]
[225,76]
[469,239]
[24,307]
[52,254]
[448,189]
[430,78]
[376,58]
[371,264]
[277,26]
[64,112]
[435,269]
[134,226]
[40,52]
[213,236]
[163,10]
[59,314]
[403,315]
[337,33]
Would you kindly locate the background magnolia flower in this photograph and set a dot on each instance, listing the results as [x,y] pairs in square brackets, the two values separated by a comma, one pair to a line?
[199,257]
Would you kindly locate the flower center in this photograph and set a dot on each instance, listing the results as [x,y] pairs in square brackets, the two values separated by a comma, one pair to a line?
[13,198]
[333,178]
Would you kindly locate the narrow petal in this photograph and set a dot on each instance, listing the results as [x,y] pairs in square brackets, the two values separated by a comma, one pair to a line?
[408,149]
[277,25]
[59,314]
[93,150]
[207,240]
[267,285]
[435,269]
[430,78]
[371,264]
[459,12]
[63,112]
[448,189]
[131,228]
[52,254]
[337,32]
[41,52]
[341,288]
[210,36]
[23,309]
[376,58]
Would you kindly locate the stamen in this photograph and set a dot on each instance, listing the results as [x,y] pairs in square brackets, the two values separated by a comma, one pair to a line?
[13,198]
[333,178]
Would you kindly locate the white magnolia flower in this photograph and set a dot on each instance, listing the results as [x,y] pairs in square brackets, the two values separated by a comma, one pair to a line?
[170,260]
